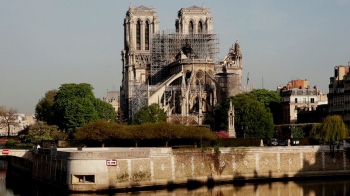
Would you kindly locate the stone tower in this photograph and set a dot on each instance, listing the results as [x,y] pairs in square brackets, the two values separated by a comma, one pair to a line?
[229,76]
[194,20]
[140,24]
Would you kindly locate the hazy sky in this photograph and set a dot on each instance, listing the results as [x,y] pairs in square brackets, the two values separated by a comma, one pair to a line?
[44,44]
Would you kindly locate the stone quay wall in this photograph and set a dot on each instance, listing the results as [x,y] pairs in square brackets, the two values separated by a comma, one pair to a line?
[95,169]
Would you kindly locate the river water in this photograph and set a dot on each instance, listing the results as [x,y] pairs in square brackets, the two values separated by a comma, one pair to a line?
[14,184]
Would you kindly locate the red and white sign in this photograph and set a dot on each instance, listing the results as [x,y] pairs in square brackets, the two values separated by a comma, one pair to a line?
[112,162]
[5,151]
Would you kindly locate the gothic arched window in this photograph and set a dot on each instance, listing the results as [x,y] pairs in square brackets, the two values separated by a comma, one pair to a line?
[147,36]
[138,35]
[190,27]
[200,27]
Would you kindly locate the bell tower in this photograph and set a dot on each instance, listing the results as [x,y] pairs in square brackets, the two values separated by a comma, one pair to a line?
[140,24]
[194,20]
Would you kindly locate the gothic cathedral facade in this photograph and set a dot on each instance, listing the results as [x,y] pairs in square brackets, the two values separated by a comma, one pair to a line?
[177,69]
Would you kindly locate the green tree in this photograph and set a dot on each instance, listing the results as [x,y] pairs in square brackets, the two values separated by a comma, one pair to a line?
[74,105]
[220,116]
[270,99]
[332,129]
[8,118]
[150,114]
[104,110]
[265,96]
[43,109]
[297,131]
[254,120]
[39,131]
[78,112]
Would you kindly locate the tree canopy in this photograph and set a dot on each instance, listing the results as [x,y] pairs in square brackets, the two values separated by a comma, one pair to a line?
[39,131]
[8,118]
[105,131]
[149,114]
[72,106]
[43,109]
[104,110]
[270,100]
[332,129]
[254,120]
[101,130]
[266,97]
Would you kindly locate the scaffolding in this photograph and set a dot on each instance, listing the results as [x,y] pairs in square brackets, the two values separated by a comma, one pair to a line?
[168,44]
[139,97]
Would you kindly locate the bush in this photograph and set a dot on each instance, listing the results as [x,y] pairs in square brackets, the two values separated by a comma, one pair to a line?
[11,142]
[222,134]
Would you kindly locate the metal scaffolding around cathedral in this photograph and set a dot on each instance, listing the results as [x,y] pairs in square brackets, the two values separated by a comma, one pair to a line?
[179,69]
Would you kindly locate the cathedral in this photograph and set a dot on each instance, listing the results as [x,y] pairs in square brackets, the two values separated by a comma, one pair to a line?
[178,69]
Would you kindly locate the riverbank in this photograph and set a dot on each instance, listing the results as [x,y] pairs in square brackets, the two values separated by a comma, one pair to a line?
[103,169]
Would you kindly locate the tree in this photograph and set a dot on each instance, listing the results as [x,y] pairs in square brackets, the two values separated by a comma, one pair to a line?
[43,109]
[101,130]
[104,110]
[270,99]
[8,118]
[332,129]
[39,131]
[150,114]
[220,116]
[265,96]
[79,112]
[254,120]
[68,99]
[140,132]
[297,132]
[72,106]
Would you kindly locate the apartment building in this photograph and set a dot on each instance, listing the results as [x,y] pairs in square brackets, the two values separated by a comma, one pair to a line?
[297,96]
[339,93]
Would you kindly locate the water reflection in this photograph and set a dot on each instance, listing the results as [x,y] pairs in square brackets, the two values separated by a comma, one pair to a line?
[15,184]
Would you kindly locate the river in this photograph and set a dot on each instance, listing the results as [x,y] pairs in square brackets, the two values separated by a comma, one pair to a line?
[13,184]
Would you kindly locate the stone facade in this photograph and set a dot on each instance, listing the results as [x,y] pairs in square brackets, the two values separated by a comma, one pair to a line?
[94,169]
[297,95]
[339,93]
[113,98]
[179,70]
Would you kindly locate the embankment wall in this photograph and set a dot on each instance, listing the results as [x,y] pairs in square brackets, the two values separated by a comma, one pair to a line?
[94,169]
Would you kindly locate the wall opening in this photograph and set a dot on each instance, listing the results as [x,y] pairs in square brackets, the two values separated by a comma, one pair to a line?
[83,179]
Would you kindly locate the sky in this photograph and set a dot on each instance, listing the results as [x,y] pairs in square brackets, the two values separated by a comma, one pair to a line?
[44,43]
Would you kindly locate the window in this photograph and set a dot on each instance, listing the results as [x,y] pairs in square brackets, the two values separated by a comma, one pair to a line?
[200,27]
[138,35]
[312,100]
[147,36]
[190,27]
[304,100]
[77,179]
[296,100]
